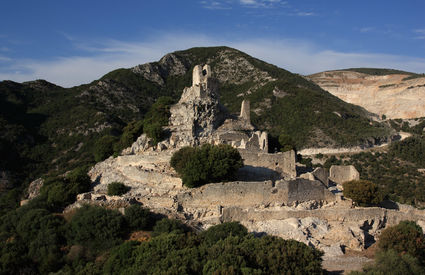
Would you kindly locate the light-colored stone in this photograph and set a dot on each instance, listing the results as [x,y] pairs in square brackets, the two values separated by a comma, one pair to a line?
[341,173]
[388,95]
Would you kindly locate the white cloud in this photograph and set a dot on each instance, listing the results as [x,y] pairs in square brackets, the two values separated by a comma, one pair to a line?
[303,13]
[294,55]
[367,29]
[420,33]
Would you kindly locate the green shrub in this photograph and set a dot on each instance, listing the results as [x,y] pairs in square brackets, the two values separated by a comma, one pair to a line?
[362,192]
[168,226]
[130,134]
[406,237]
[390,262]
[117,189]
[62,191]
[222,231]
[154,131]
[286,143]
[139,218]
[208,163]
[237,253]
[104,147]
[96,228]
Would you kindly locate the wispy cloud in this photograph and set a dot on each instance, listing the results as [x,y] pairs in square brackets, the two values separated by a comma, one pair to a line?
[298,56]
[228,4]
[420,33]
[367,29]
[216,5]
[303,13]
[4,58]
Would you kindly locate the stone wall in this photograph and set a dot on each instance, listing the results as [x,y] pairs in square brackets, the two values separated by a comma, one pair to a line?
[390,217]
[342,173]
[254,194]
[283,163]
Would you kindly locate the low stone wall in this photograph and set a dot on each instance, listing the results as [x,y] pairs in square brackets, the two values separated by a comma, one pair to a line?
[254,194]
[358,215]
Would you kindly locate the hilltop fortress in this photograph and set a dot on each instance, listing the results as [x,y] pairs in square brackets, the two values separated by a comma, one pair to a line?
[268,196]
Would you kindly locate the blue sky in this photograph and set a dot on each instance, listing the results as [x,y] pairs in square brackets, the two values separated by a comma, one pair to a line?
[74,42]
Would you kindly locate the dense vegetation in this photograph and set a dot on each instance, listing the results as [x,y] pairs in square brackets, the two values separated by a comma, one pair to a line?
[401,251]
[92,240]
[362,192]
[208,163]
[396,172]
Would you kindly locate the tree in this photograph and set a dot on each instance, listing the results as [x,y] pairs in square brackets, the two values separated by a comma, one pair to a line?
[104,147]
[390,262]
[406,237]
[286,143]
[96,228]
[208,163]
[139,218]
[362,192]
[117,189]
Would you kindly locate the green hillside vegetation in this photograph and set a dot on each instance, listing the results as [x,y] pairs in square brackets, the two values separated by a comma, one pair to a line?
[93,241]
[400,251]
[396,172]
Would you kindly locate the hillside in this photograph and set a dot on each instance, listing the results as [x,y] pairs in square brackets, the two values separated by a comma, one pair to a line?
[45,127]
[393,93]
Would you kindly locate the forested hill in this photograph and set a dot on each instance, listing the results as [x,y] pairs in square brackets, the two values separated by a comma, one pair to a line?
[47,128]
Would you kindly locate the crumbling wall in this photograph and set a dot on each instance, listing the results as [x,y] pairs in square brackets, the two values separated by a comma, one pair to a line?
[342,173]
[254,194]
[301,190]
[390,217]
[283,162]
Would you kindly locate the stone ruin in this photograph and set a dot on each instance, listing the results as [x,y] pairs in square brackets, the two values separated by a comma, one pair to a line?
[199,118]
[268,197]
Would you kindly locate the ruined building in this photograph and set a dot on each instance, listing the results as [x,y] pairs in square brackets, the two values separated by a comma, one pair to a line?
[199,118]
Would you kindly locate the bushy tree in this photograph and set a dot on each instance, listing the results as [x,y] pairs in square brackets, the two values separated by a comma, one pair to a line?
[156,117]
[222,231]
[208,163]
[62,191]
[234,253]
[362,192]
[406,237]
[129,135]
[117,189]
[286,143]
[96,228]
[139,218]
[104,147]
[154,131]
[168,226]
[390,262]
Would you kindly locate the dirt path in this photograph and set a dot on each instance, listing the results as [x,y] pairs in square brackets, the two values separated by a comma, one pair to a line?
[350,150]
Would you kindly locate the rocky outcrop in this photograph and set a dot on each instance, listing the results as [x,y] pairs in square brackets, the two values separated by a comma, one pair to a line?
[341,173]
[390,95]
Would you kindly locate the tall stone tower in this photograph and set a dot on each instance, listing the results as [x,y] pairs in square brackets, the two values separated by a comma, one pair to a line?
[245,111]
[198,112]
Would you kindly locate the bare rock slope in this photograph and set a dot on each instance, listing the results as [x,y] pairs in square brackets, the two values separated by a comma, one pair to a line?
[392,95]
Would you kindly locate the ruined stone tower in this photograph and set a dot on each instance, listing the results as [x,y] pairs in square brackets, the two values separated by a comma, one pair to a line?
[198,112]
[245,111]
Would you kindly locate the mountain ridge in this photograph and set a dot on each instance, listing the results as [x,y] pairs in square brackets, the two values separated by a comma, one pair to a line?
[70,121]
